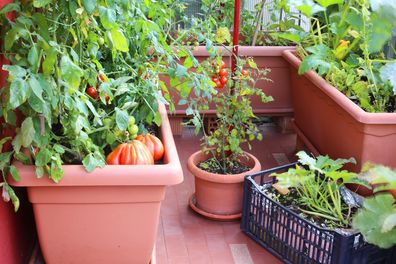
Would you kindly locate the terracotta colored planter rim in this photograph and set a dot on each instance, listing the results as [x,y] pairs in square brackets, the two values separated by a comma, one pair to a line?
[169,173]
[263,51]
[343,101]
[214,177]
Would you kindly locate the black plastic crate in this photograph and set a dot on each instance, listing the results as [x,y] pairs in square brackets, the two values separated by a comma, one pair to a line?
[296,240]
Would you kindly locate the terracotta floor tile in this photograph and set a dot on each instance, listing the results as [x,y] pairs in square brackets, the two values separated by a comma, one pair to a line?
[179,260]
[175,246]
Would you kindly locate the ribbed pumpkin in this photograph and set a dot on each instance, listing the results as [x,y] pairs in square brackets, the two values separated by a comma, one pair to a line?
[131,153]
[154,145]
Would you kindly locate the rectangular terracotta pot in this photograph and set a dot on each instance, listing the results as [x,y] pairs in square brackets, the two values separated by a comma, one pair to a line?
[107,216]
[265,57]
[332,124]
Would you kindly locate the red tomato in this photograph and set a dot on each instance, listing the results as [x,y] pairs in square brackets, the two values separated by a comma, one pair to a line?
[219,84]
[223,72]
[215,79]
[154,145]
[131,153]
[223,80]
[223,65]
[245,73]
[102,77]
[92,92]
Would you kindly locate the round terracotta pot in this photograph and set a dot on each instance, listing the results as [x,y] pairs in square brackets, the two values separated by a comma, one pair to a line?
[220,194]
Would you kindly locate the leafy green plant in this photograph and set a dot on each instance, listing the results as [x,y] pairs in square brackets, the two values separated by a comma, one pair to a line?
[317,182]
[377,219]
[80,72]
[344,46]
[234,113]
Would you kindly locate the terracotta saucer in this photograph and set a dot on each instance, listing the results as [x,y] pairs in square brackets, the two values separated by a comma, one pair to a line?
[192,202]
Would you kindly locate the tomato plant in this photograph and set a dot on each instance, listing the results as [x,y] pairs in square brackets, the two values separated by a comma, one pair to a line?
[65,53]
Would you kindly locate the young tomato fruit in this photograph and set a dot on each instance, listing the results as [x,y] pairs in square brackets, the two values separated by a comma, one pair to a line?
[223,80]
[223,72]
[102,77]
[92,92]
[154,145]
[131,153]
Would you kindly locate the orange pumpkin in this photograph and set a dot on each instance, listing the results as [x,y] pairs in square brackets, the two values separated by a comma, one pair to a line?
[154,145]
[131,153]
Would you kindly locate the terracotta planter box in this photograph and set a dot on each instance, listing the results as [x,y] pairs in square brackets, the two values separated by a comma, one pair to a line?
[265,57]
[107,216]
[332,124]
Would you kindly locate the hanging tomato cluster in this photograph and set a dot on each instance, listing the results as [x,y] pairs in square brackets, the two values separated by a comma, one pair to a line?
[143,150]
[93,92]
[220,75]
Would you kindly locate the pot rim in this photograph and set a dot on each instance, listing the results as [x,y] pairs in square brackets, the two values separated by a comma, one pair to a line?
[220,178]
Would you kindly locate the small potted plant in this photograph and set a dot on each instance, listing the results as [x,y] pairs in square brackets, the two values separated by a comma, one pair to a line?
[305,213]
[82,84]
[219,168]
[345,107]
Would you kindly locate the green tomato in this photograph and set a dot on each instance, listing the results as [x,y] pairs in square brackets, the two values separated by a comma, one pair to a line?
[101,41]
[107,122]
[133,129]
[131,121]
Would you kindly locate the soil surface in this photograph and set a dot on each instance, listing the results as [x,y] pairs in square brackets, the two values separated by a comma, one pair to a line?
[216,166]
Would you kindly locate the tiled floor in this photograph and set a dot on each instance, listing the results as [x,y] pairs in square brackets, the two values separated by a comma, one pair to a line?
[185,237]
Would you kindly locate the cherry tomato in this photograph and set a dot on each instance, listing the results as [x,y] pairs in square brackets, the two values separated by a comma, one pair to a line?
[107,98]
[223,72]
[245,73]
[92,92]
[102,77]
[215,80]
[223,80]
[223,65]
[219,84]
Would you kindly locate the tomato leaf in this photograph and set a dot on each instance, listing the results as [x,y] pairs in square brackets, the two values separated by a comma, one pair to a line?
[41,3]
[107,17]
[14,173]
[89,5]
[121,119]
[388,74]
[92,161]
[71,73]
[119,40]
[27,132]
[19,93]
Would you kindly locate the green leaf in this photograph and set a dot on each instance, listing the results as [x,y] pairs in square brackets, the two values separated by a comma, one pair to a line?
[41,3]
[36,87]
[9,8]
[89,5]
[307,7]
[39,171]
[107,17]
[381,30]
[14,173]
[388,74]
[121,119]
[326,3]
[49,61]
[17,143]
[92,161]
[33,57]
[27,132]
[71,73]
[119,40]
[43,157]
[376,221]
[289,36]
[19,93]
[5,159]
[3,141]
[318,60]
[15,70]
